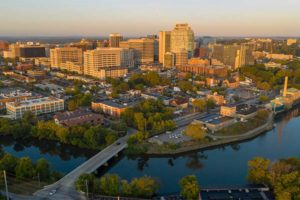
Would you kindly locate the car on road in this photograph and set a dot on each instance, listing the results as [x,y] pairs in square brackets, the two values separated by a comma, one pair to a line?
[118,143]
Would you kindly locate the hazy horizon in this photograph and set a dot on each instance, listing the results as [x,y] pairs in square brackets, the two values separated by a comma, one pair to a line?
[131,18]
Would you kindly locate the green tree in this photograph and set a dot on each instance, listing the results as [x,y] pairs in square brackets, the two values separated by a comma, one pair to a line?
[25,168]
[8,163]
[43,169]
[110,185]
[263,98]
[140,121]
[80,183]
[189,187]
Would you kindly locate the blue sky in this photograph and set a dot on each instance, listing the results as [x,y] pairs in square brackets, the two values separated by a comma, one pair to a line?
[142,17]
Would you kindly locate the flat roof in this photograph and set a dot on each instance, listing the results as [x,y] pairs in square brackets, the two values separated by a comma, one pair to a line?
[34,101]
[215,119]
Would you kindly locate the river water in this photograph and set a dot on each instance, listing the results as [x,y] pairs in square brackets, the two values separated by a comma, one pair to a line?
[223,166]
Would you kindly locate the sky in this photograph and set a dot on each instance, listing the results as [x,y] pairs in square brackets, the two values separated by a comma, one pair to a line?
[143,17]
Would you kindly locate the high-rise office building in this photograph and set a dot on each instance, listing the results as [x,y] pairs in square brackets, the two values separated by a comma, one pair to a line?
[97,60]
[143,49]
[115,39]
[164,44]
[182,37]
[68,58]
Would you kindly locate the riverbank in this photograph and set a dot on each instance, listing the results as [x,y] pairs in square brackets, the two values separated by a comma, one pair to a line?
[157,150]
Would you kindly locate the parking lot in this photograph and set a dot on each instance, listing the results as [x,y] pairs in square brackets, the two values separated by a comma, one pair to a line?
[174,137]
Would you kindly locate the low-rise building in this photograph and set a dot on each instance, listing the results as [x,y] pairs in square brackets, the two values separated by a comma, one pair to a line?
[19,77]
[216,122]
[77,117]
[36,106]
[113,107]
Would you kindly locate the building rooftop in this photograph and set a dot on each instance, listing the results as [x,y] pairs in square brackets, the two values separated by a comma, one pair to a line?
[31,102]
[215,119]
[118,103]
[14,92]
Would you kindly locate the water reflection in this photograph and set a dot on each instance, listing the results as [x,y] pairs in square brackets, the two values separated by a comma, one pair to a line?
[52,148]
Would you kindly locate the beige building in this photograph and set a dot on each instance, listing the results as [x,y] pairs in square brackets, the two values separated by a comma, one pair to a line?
[68,58]
[169,60]
[234,55]
[36,106]
[164,44]
[182,37]
[96,61]
[115,39]
[181,57]
[143,49]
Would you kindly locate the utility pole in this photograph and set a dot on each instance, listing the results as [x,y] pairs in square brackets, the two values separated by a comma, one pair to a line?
[6,188]
[38,176]
[87,189]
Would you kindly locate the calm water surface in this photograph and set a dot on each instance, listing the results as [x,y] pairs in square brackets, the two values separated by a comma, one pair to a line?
[224,166]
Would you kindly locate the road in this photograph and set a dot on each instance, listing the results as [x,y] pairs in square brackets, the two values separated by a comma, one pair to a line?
[64,188]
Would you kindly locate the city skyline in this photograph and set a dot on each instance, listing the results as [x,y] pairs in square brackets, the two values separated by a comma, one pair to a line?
[136,18]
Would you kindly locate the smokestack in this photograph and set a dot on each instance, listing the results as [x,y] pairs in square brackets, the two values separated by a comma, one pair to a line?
[285,86]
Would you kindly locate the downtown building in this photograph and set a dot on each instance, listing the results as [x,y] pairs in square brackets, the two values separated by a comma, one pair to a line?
[67,58]
[143,49]
[177,41]
[115,39]
[108,62]
[235,56]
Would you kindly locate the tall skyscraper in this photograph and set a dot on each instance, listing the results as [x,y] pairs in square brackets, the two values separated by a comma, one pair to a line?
[115,39]
[97,60]
[68,58]
[164,44]
[182,37]
[143,49]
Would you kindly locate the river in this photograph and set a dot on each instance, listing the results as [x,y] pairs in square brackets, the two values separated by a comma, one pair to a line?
[223,166]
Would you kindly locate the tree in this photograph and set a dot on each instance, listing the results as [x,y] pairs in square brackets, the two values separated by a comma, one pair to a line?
[43,169]
[200,104]
[263,98]
[110,185]
[8,163]
[195,131]
[210,103]
[258,171]
[80,183]
[189,187]
[140,121]
[185,86]
[25,169]
[144,187]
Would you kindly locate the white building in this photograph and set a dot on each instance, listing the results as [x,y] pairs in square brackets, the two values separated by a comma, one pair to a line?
[36,106]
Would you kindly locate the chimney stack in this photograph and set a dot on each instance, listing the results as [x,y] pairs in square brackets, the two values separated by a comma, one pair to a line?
[285,86]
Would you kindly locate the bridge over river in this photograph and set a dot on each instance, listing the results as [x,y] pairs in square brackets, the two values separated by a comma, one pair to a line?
[64,188]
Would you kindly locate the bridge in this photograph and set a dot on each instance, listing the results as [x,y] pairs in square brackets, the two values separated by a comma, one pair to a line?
[64,188]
